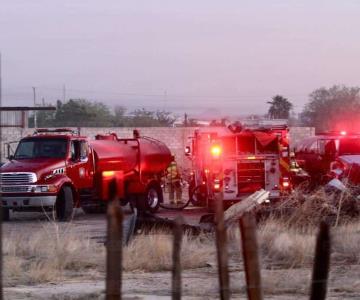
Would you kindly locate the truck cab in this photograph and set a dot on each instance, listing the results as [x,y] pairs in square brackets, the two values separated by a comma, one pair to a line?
[48,171]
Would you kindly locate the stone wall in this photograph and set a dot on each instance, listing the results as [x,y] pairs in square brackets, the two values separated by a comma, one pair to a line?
[175,138]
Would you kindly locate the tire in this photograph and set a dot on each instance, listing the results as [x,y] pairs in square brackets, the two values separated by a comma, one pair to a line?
[64,205]
[153,198]
[5,214]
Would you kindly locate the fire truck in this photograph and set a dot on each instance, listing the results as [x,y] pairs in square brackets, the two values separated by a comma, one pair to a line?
[57,170]
[230,163]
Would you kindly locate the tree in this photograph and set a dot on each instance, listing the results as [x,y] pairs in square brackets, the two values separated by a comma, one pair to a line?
[120,120]
[279,107]
[146,118]
[336,108]
[82,113]
[165,118]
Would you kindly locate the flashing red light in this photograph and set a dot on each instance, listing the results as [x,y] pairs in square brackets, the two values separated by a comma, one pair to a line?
[215,150]
[343,132]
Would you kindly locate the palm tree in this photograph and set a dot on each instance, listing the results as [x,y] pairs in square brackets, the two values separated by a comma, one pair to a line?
[279,107]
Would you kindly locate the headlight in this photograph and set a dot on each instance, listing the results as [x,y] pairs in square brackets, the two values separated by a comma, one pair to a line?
[44,189]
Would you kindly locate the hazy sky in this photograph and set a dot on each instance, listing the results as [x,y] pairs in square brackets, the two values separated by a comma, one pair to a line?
[189,54]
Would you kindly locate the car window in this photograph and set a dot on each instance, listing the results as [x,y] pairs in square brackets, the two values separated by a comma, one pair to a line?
[313,147]
[84,150]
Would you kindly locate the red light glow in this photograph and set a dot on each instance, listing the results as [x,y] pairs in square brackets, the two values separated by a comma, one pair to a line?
[215,150]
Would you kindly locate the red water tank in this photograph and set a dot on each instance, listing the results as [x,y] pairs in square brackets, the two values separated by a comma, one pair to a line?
[125,154]
[155,156]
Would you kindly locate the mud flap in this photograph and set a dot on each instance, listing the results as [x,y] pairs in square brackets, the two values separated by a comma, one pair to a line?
[130,217]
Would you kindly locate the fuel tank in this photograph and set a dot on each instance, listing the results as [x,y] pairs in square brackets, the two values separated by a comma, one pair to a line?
[140,154]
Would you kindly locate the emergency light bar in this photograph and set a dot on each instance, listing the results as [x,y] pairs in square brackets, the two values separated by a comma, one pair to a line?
[56,130]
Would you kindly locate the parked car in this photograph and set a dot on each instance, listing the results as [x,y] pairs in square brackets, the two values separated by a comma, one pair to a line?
[328,156]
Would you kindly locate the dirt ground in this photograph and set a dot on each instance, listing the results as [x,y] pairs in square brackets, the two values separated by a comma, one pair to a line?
[197,284]
[200,283]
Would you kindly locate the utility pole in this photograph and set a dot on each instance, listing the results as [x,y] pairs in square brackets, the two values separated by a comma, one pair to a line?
[35,117]
[165,99]
[64,93]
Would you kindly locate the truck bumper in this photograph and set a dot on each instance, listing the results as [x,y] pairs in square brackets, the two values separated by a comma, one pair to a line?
[28,202]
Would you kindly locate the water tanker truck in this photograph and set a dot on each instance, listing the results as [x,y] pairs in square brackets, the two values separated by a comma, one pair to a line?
[57,170]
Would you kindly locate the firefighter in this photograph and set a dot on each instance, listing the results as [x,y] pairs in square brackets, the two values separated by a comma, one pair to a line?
[174,182]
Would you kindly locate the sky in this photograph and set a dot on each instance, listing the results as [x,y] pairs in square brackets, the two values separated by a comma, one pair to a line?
[220,57]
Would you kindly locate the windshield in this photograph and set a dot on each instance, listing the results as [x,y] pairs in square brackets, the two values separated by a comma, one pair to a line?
[41,148]
[349,146]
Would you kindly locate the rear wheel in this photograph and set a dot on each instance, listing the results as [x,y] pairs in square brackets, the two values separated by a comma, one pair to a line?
[198,195]
[153,198]
[64,204]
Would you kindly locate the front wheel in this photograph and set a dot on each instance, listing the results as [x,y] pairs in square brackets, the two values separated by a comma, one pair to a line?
[64,204]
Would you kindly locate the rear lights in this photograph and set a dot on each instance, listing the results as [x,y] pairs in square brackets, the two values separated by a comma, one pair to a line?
[217,185]
[285,182]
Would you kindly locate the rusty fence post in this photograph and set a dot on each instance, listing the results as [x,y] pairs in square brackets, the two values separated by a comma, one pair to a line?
[321,263]
[251,257]
[176,269]
[114,246]
[221,247]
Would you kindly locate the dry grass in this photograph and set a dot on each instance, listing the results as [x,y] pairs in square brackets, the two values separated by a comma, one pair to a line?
[47,255]
[153,252]
[289,247]
[302,208]
[55,253]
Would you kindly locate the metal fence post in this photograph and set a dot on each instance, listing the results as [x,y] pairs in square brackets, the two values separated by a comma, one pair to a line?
[321,263]
[221,247]
[114,246]
[176,269]
[251,257]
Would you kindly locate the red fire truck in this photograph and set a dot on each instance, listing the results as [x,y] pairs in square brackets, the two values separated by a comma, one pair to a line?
[233,162]
[58,169]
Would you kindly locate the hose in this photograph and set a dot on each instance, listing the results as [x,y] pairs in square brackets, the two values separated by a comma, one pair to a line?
[177,207]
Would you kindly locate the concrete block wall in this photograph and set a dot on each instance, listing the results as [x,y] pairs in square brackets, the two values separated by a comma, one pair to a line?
[175,138]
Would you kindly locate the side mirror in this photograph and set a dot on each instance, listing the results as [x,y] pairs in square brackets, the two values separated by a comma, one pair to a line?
[187,151]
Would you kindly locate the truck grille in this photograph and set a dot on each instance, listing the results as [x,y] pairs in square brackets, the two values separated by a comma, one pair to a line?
[250,176]
[17,178]
[16,189]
